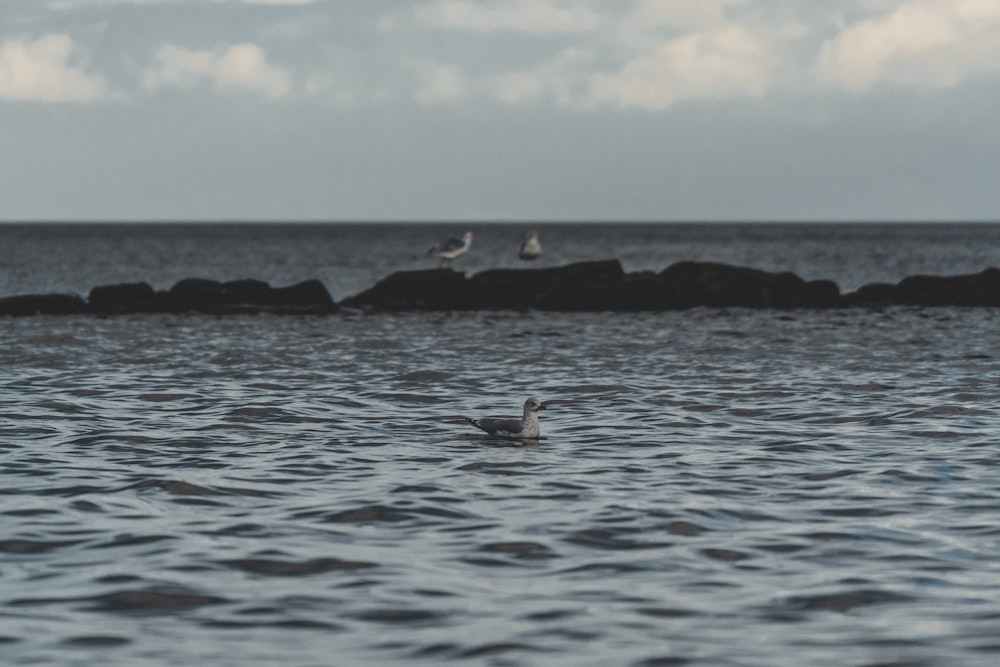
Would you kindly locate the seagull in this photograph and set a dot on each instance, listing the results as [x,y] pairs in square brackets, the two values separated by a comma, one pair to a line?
[526,427]
[452,248]
[531,248]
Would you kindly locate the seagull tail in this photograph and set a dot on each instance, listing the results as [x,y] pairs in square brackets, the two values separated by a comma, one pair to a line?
[475,422]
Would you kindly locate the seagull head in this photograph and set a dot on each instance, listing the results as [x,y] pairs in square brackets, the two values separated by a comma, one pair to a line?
[533,405]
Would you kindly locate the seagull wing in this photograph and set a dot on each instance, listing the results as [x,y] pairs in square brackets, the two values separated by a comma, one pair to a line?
[496,426]
[452,244]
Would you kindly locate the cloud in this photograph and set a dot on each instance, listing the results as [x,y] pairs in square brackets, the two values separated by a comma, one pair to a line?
[726,62]
[42,71]
[525,16]
[240,67]
[439,84]
[644,54]
[562,79]
[921,44]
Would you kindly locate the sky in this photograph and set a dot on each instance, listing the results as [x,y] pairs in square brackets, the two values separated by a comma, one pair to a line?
[598,110]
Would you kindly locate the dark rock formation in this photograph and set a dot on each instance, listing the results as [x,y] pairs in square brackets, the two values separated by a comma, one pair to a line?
[190,295]
[577,286]
[42,304]
[581,286]
[249,296]
[584,286]
[873,294]
[596,286]
[124,298]
[720,285]
[978,289]
[210,296]
[432,289]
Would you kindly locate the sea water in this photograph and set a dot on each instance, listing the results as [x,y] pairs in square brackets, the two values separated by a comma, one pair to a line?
[713,486]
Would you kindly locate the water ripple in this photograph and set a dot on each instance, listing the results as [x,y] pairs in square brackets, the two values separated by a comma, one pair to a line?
[274,490]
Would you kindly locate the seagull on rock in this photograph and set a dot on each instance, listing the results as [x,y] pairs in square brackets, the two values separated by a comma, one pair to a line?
[526,427]
[531,248]
[451,248]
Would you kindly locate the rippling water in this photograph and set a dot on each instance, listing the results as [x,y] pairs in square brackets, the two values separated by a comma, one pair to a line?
[713,487]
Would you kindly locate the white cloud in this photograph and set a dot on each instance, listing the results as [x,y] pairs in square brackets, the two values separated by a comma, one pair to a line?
[921,43]
[42,71]
[646,54]
[525,16]
[240,67]
[726,62]
[439,84]
[667,51]
[560,79]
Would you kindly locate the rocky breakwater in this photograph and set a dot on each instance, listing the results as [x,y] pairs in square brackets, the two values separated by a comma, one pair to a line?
[194,295]
[584,286]
[604,285]
[596,286]
[976,289]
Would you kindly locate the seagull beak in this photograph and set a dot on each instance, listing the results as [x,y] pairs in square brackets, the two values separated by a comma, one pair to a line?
[544,405]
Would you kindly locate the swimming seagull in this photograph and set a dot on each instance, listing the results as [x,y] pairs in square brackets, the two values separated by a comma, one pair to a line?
[451,248]
[525,427]
[531,248]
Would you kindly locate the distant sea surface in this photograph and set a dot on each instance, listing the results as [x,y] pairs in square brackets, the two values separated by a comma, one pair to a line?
[713,486]
[349,258]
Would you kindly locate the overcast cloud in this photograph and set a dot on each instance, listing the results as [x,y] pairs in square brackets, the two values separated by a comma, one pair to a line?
[500,109]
